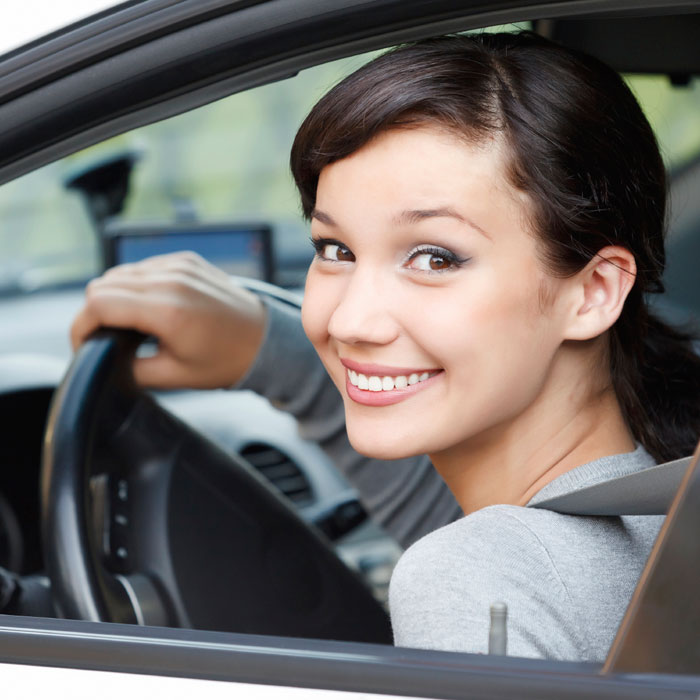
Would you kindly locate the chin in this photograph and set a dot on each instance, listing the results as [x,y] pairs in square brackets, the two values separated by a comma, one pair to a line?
[382,448]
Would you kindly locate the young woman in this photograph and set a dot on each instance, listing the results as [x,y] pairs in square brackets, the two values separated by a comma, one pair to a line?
[487,213]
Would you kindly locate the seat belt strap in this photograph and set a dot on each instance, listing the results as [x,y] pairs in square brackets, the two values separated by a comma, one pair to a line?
[646,492]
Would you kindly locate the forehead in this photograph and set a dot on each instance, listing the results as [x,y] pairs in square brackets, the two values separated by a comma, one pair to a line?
[424,166]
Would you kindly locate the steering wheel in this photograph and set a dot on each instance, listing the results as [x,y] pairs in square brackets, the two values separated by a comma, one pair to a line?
[144,520]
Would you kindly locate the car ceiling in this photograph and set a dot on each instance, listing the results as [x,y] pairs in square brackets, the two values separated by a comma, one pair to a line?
[156,58]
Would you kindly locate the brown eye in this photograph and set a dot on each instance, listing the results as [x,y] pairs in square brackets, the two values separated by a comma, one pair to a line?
[439,263]
[345,255]
[333,251]
[431,262]
[434,259]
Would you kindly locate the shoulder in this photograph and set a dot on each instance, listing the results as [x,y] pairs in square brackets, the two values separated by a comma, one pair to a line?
[507,545]
[565,579]
[444,585]
[484,544]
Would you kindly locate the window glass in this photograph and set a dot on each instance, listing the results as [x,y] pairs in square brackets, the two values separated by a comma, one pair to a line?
[226,161]
[46,236]
[673,112]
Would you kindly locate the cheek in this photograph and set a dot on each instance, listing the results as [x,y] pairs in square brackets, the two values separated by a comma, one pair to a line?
[512,290]
[489,326]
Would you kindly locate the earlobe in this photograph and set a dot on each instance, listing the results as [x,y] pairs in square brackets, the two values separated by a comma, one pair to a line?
[601,289]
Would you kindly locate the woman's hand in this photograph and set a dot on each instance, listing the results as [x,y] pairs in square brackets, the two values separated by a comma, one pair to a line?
[209,330]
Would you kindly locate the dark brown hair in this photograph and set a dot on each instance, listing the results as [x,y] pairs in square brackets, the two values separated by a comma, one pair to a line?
[582,150]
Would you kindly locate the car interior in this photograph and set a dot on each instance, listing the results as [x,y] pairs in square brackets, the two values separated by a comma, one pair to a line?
[290,549]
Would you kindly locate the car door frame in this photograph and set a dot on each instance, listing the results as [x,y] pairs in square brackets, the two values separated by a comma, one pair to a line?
[304,663]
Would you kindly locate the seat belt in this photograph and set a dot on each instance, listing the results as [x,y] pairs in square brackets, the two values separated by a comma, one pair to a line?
[646,492]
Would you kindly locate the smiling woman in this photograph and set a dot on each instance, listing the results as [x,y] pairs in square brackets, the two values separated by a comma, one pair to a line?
[487,214]
[424,293]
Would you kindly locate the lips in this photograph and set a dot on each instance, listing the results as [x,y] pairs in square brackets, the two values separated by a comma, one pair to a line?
[382,385]
[386,383]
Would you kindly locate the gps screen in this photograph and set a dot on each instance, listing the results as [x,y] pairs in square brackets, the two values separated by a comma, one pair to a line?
[237,250]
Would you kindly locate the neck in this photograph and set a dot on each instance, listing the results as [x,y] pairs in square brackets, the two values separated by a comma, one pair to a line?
[512,461]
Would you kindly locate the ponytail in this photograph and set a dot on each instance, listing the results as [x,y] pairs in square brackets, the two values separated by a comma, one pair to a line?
[656,375]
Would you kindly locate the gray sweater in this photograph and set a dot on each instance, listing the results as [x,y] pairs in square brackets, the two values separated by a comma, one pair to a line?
[566,579]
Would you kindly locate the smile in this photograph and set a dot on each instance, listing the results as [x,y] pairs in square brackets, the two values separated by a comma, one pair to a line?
[386,383]
[386,388]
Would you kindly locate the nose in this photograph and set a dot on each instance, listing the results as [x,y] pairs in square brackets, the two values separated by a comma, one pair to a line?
[365,313]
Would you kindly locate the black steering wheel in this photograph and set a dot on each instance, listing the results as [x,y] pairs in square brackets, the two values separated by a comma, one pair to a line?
[144,520]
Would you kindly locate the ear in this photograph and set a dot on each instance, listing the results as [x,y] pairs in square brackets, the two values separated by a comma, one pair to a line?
[600,290]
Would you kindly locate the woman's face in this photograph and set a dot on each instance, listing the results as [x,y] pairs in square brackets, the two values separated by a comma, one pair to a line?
[426,300]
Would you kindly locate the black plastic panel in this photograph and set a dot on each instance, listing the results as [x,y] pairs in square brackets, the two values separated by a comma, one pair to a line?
[668,45]
[212,542]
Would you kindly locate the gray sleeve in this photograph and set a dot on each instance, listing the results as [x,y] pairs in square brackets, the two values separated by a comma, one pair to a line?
[407,496]
[443,586]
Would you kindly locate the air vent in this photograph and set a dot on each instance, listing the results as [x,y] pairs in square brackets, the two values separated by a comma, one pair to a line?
[280,471]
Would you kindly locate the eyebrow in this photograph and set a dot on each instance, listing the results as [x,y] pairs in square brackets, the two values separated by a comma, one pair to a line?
[323,217]
[410,216]
[414,216]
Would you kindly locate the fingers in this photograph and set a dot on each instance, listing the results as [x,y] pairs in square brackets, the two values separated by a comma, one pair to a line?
[209,329]
[142,295]
[118,308]
[185,262]
[184,265]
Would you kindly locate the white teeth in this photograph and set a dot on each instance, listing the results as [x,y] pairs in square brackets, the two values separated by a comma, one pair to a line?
[375,383]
